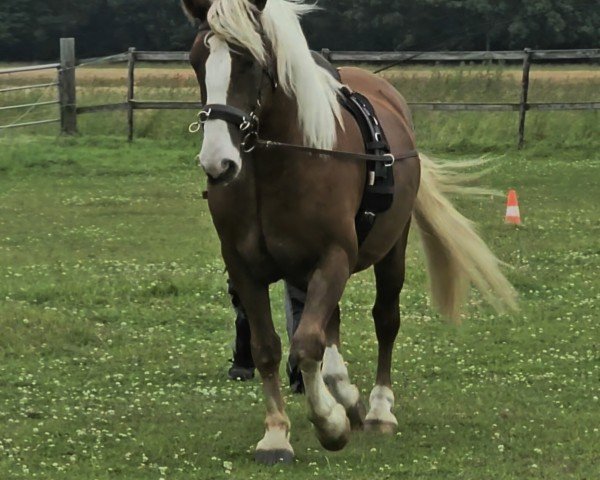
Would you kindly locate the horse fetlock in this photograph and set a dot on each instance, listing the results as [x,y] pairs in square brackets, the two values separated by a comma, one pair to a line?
[343,391]
[356,414]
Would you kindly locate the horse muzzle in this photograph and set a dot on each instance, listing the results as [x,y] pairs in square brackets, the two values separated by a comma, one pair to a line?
[222,172]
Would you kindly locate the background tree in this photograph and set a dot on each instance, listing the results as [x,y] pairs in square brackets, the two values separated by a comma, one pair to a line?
[30,29]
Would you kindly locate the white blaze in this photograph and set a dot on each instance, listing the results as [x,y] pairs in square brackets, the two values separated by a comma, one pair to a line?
[217,145]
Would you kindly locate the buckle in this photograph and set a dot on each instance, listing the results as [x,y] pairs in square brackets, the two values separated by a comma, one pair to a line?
[393,160]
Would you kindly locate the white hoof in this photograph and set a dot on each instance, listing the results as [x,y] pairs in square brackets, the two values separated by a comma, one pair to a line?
[274,447]
[380,416]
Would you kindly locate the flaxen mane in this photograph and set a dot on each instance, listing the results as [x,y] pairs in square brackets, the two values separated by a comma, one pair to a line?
[238,22]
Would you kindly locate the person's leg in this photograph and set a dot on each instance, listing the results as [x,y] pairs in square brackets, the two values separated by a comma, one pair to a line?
[243,365]
[294,305]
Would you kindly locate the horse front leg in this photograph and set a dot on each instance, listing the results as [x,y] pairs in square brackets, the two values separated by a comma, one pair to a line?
[325,289]
[275,446]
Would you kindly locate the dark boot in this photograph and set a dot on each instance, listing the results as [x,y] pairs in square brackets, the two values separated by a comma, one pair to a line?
[243,365]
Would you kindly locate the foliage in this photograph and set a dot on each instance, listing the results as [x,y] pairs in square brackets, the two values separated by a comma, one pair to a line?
[29,29]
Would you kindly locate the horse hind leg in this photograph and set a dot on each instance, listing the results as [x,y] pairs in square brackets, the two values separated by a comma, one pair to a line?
[335,375]
[389,277]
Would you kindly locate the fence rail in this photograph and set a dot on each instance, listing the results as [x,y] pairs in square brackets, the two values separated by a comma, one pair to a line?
[28,87]
[428,57]
[31,68]
[29,124]
[30,106]
[69,110]
[526,56]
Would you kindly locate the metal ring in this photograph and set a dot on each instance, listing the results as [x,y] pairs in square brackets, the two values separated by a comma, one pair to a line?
[204,115]
[194,127]
[391,164]
[249,142]
[378,136]
[245,126]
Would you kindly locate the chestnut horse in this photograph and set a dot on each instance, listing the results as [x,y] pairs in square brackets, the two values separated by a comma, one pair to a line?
[290,214]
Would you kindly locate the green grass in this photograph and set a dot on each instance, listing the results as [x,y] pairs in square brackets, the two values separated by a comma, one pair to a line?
[115,326]
[116,330]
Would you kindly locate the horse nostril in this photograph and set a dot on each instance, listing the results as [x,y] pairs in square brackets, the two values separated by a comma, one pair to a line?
[229,170]
[227,165]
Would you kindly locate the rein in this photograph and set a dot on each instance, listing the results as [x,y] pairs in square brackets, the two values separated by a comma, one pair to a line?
[248,125]
[389,159]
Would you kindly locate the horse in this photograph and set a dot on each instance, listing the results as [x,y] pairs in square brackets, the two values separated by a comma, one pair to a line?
[289,212]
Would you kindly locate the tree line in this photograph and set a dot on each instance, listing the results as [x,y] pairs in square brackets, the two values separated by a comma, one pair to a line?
[30,29]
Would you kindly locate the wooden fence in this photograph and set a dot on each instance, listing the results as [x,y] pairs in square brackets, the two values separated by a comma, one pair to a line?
[69,110]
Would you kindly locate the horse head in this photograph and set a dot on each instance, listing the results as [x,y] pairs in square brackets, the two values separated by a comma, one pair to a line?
[233,78]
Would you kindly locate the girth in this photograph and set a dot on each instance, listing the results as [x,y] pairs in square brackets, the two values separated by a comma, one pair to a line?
[378,195]
[379,188]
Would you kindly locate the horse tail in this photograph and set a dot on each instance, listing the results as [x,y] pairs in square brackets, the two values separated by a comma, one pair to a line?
[456,255]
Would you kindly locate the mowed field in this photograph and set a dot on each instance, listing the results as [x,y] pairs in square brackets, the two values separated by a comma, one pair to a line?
[116,329]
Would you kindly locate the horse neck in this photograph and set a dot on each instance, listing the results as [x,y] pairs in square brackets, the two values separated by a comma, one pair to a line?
[279,120]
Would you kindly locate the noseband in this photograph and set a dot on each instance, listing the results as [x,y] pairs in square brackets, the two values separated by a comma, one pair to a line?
[246,123]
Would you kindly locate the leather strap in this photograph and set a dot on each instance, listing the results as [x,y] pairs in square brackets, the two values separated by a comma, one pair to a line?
[228,114]
[388,159]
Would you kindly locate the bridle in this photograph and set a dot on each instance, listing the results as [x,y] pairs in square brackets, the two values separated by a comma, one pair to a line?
[248,124]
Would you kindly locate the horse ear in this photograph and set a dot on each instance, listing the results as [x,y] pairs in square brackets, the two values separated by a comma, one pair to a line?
[260,4]
[196,9]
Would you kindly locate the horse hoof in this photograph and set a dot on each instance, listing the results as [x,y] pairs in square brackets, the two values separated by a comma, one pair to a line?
[356,414]
[241,374]
[378,426]
[274,457]
[328,438]
[334,444]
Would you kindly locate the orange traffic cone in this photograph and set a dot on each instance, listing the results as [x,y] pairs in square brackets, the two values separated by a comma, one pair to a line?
[513,215]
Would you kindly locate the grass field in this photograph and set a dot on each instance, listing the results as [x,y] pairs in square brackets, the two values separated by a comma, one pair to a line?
[115,326]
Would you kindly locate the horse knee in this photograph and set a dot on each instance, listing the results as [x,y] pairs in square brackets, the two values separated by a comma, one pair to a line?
[266,354]
[307,348]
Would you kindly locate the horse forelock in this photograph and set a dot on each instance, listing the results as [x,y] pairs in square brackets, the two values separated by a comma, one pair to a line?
[314,89]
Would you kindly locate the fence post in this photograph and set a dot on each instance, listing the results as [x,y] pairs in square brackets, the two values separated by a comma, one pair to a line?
[524,96]
[130,92]
[67,87]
